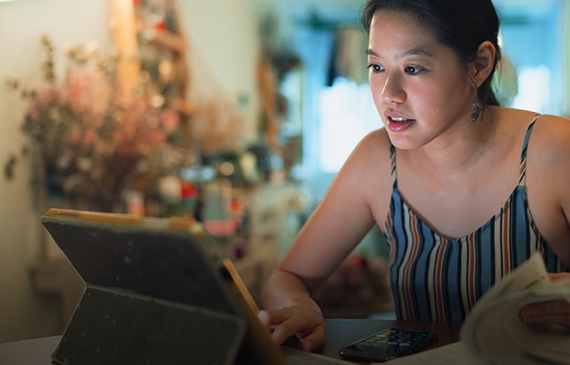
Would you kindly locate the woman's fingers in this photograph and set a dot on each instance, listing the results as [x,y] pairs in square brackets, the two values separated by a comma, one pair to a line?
[554,311]
[287,322]
[314,339]
[270,317]
[265,318]
[558,276]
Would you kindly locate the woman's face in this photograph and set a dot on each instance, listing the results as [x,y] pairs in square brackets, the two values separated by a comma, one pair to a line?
[418,86]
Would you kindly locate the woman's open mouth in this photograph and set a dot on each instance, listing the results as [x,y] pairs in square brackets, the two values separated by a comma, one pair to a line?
[399,124]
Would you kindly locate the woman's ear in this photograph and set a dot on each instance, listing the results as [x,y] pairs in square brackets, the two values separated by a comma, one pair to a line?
[482,65]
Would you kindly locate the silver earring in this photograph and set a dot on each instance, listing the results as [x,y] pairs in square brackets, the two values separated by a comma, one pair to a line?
[476,109]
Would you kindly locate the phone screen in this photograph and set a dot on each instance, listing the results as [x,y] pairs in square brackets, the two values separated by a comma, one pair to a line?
[388,344]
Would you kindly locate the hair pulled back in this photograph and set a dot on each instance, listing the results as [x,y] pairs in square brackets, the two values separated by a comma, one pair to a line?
[460,24]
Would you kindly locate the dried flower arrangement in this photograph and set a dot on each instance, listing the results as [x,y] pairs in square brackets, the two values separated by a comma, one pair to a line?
[93,144]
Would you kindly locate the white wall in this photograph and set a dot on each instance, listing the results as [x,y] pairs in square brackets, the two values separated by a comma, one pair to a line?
[223,39]
[223,34]
[22,312]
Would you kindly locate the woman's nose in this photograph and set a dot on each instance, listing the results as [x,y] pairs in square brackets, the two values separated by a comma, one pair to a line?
[392,90]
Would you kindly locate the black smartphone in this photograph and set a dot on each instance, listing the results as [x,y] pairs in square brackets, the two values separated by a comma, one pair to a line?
[388,344]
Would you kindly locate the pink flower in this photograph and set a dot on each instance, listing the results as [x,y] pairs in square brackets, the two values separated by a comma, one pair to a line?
[47,95]
[96,140]
[170,120]
[156,137]
[89,137]
[75,134]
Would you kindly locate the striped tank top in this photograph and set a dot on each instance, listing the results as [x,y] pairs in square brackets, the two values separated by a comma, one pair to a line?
[436,279]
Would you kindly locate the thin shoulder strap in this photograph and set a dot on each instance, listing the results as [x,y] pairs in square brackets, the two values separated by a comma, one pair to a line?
[522,170]
[393,165]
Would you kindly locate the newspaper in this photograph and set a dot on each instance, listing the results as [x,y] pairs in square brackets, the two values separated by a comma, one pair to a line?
[493,332]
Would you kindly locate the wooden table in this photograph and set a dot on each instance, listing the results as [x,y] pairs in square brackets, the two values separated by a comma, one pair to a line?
[340,332]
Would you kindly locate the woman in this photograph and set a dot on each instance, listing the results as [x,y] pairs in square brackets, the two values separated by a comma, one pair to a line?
[465,190]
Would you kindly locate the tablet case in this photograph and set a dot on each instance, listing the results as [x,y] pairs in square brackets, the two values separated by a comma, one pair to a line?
[153,295]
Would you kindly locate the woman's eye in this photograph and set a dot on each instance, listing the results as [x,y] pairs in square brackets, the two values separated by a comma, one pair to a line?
[375,68]
[412,70]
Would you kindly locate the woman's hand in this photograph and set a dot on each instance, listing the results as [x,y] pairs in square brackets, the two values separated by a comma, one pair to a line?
[306,323]
[550,312]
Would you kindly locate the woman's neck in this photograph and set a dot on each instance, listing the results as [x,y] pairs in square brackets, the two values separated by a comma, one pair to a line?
[465,148]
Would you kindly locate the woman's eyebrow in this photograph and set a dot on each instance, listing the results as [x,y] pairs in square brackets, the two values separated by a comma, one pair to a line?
[371,53]
[416,52]
[411,52]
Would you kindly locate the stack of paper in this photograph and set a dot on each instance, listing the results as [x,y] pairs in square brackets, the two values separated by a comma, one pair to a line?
[493,332]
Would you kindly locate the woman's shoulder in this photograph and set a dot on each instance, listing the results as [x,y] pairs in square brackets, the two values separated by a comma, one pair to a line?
[372,150]
[370,158]
[551,137]
[367,174]
[549,149]
[556,122]
[376,141]
[550,133]
[548,178]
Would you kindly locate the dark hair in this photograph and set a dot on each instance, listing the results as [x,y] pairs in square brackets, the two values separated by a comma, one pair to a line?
[460,24]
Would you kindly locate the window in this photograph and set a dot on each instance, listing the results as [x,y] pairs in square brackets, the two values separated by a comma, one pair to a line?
[539,68]
[347,115]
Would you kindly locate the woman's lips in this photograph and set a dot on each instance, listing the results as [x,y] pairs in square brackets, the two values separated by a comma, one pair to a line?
[399,124]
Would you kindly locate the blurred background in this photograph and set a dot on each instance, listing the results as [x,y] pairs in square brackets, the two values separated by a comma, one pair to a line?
[236,113]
